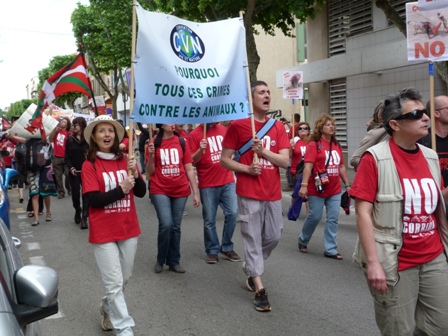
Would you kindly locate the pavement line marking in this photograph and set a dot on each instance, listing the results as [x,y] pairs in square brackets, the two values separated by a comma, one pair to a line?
[33,246]
[38,260]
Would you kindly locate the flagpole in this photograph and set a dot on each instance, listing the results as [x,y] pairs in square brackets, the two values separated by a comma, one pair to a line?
[431,104]
[249,91]
[88,78]
[131,84]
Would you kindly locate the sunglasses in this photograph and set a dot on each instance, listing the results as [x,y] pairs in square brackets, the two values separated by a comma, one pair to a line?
[303,128]
[413,115]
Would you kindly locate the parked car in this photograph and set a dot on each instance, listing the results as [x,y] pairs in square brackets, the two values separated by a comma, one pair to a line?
[27,293]
[6,175]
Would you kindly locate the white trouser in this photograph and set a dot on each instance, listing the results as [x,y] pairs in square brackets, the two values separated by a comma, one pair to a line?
[116,261]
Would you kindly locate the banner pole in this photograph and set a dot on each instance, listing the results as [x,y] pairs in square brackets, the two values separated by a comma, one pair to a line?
[292,118]
[131,84]
[205,135]
[249,93]
[431,104]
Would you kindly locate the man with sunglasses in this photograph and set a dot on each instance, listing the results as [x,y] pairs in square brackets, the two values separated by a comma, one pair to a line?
[402,227]
[441,128]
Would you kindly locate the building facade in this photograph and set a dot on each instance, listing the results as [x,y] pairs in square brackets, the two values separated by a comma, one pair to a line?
[356,57]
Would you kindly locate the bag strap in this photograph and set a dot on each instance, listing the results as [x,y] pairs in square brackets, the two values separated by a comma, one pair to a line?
[328,160]
[260,134]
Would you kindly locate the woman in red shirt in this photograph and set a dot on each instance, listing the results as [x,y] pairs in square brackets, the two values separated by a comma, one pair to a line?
[324,168]
[171,170]
[114,226]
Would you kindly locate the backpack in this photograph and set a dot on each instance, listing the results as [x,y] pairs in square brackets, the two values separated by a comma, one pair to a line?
[36,155]
[20,153]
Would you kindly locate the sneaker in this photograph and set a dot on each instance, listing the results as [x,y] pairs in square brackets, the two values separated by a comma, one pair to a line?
[261,301]
[250,284]
[106,324]
[212,259]
[177,269]
[158,268]
[61,196]
[249,281]
[231,255]
[184,213]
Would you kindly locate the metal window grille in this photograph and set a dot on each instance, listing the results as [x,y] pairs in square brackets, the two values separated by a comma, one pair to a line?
[347,18]
[400,7]
[338,110]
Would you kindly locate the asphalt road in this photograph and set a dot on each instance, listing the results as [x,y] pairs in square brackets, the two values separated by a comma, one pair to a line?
[309,294]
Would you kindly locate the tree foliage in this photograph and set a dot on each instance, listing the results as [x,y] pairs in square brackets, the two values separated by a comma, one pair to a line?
[54,65]
[269,14]
[17,108]
[104,29]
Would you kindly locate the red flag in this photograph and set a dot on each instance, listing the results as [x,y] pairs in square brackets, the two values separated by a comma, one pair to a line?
[71,78]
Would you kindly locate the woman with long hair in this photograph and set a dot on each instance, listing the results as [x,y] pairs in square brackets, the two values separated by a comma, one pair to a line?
[324,168]
[75,154]
[171,170]
[109,182]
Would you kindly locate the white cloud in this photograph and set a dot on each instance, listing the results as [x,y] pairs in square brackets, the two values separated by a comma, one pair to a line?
[31,33]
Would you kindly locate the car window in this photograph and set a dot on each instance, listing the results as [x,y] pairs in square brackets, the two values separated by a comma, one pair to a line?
[6,266]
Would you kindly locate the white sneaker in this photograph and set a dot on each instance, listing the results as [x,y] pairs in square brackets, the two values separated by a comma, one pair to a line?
[106,323]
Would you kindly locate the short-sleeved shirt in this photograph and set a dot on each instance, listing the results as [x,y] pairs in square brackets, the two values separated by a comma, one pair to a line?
[59,143]
[266,186]
[209,169]
[421,238]
[170,177]
[318,152]
[298,154]
[115,221]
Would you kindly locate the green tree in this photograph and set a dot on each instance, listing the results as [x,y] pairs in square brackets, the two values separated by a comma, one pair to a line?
[104,29]
[54,65]
[17,108]
[400,23]
[269,14]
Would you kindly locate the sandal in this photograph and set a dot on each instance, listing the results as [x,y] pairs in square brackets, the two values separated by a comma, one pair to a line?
[36,223]
[303,248]
[30,214]
[336,256]
[48,218]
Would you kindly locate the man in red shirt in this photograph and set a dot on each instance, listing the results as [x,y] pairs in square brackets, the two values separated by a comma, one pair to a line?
[258,187]
[59,138]
[216,187]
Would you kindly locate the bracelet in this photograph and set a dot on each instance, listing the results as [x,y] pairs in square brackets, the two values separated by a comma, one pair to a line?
[348,185]
[304,184]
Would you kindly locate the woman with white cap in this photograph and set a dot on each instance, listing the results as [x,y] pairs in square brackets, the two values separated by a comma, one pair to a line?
[114,226]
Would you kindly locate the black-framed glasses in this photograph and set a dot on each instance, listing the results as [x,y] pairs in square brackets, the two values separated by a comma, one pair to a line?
[413,115]
[303,128]
[442,108]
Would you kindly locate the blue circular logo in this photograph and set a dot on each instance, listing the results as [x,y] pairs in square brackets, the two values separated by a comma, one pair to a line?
[186,44]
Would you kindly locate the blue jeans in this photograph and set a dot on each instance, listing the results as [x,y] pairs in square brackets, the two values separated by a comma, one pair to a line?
[316,205]
[169,213]
[225,197]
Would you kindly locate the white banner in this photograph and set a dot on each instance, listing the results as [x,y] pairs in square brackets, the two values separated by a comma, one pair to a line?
[18,128]
[188,72]
[432,4]
[293,85]
[427,32]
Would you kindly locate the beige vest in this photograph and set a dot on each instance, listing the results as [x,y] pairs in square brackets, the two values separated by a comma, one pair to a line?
[387,212]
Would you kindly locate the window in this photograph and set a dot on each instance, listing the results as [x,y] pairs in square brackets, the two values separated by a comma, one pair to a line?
[347,18]
[338,110]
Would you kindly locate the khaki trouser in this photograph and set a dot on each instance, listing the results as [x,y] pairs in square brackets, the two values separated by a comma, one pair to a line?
[417,304]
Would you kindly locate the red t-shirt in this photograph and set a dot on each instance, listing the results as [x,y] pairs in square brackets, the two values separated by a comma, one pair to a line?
[266,186]
[318,155]
[125,142]
[184,134]
[116,221]
[421,238]
[209,169]
[59,143]
[298,154]
[170,177]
